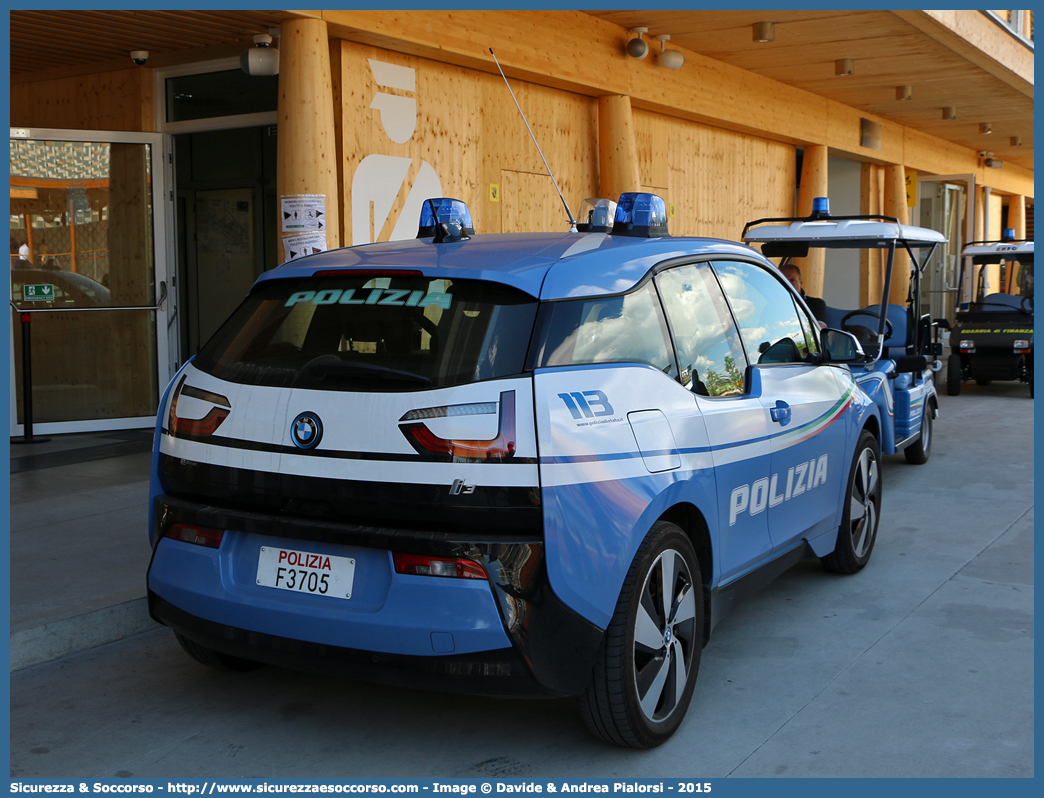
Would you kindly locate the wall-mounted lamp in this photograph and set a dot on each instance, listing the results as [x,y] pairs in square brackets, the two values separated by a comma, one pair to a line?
[764,32]
[990,161]
[949,112]
[1016,141]
[844,67]
[636,47]
[669,59]
[985,127]
[262,58]
[904,92]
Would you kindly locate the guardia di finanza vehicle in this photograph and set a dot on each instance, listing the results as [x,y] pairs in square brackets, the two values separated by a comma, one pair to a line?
[993,336]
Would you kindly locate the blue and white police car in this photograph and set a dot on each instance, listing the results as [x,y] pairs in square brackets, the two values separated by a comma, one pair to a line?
[541,464]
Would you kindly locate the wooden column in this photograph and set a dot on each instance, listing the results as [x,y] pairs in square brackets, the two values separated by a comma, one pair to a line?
[617,147]
[871,261]
[980,214]
[895,205]
[813,184]
[1017,215]
[306,152]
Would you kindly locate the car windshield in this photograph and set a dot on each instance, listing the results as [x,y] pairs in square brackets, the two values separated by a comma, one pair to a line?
[355,332]
[1002,281]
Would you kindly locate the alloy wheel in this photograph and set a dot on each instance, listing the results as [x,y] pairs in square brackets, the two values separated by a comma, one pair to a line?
[664,636]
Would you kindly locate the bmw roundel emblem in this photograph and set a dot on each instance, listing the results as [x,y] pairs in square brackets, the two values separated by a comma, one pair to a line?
[306,431]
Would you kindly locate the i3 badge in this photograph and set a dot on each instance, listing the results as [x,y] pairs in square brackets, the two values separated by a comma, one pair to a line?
[306,431]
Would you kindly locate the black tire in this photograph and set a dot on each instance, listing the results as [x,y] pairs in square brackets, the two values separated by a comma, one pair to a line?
[980,381]
[953,375]
[862,511]
[215,659]
[919,452]
[649,651]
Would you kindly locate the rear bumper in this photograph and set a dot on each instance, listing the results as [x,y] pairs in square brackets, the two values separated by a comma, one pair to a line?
[508,635]
[501,672]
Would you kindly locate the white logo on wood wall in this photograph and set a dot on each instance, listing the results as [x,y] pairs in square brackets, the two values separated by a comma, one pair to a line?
[380,179]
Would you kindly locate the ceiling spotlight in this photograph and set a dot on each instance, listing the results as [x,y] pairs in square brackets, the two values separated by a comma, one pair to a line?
[904,92]
[262,58]
[949,112]
[1016,141]
[985,127]
[764,32]
[844,67]
[669,59]
[636,47]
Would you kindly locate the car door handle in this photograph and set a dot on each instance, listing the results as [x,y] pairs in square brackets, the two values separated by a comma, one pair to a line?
[781,413]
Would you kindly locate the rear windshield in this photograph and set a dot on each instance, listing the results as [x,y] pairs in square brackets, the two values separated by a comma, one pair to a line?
[365,333]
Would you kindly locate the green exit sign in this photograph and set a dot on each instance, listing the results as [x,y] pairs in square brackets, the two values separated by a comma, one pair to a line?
[38,293]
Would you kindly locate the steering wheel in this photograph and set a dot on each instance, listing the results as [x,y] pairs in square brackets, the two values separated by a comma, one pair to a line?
[867,338]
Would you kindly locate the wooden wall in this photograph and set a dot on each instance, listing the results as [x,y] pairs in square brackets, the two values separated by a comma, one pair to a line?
[469,131]
[120,100]
[716,179]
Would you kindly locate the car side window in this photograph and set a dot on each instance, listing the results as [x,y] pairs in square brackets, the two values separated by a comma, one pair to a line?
[765,312]
[616,329]
[808,324]
[709,352]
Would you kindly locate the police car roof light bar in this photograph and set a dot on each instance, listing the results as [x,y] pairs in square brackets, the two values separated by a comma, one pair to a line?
[569,213]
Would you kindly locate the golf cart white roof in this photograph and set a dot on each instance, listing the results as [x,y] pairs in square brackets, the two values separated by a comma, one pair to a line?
[860,233]
[999,248]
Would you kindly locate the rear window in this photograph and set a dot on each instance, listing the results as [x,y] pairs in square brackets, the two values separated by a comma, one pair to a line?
[365,333]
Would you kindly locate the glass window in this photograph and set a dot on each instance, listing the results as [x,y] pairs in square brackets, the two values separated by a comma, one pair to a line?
[364,333]
[709,352]
[765,312]
[228,93]
[619,329]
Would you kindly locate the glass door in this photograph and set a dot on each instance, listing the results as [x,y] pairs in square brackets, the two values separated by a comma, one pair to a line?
[946,203]
[89,266]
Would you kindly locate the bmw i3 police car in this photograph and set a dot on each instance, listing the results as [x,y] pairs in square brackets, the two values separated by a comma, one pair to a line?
[540,464]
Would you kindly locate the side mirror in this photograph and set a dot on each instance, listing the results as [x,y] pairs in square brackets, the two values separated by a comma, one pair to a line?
[841,347]
[941,323]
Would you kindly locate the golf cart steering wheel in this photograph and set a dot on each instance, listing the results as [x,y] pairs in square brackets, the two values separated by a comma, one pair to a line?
[867,338]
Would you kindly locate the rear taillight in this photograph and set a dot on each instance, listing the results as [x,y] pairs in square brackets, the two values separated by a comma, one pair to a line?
[1022,346]
[199,535]
[197,427]
[967,346]
[427,442]
[423,565]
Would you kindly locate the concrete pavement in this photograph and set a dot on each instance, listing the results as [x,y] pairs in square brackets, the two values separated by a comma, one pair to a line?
[921,665]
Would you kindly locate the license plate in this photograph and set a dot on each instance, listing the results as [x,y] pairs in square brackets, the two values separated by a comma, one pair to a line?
[306,572]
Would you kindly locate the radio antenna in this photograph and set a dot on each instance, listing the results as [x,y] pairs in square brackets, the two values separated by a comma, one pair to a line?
[569,213]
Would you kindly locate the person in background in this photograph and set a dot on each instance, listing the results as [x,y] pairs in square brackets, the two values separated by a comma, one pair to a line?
[815,304]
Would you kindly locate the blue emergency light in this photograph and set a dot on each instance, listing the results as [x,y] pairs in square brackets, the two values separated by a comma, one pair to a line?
[640,215]
[1009,234]
[820,207]
[451,214]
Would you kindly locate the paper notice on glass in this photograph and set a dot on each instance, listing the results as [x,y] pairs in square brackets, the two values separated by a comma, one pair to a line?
[303,212]
[306,244]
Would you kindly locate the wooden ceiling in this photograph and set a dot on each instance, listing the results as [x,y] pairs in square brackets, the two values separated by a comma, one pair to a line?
[44,41]
[888,52]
